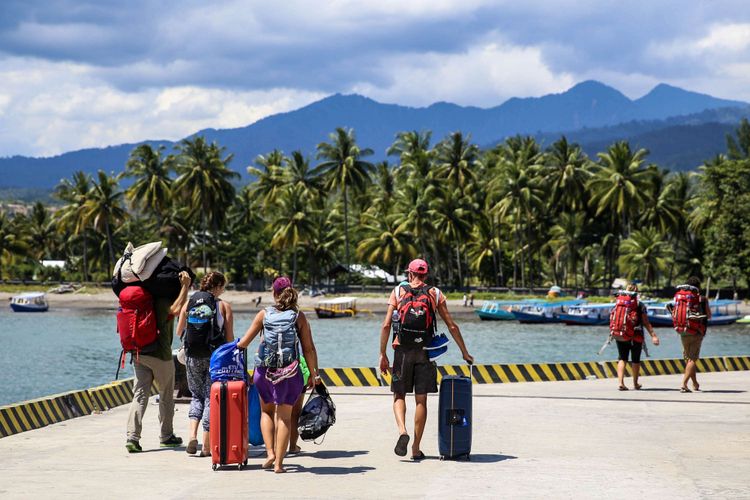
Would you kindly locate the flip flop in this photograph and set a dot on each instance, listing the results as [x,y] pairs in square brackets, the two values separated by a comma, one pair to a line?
[400,449]
[637,387]
[419,457]
[685,389]
[192,447]
[623,388]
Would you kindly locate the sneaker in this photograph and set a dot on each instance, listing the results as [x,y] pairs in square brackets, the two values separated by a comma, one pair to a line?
[133,446]
[172,442]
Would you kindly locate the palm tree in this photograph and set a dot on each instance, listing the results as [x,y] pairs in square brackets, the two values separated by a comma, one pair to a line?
[413,213]
[415,155]
[41,232]
[456,157]
[298,174]
[269,179]
[343,169]
[103,209]
[644,254]
[205,183]
[292,222]
[385,243]
[71,217]
[11,242]
[152,190]
[566,174]
[452,214]
[383,199]
[517,193]
[619,187]
[565,241]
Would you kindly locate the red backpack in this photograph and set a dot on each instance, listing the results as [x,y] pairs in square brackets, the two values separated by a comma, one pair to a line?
[136,319]
[416,313]
[624,316]
[687,316]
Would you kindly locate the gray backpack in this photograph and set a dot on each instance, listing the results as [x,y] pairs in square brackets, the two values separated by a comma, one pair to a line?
[279,346]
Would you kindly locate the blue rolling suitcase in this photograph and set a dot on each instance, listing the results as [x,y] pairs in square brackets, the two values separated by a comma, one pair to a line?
[455,418]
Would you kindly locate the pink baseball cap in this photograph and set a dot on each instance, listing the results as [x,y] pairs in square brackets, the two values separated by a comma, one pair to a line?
[280,283]
[418,266]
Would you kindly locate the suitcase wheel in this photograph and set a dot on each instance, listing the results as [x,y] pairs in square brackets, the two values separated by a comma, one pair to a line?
[240,466]
[214,466]
[442,458]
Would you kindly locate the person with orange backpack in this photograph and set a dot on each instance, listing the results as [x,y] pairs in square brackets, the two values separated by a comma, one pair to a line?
[690,315]
[412,306]
[626,323]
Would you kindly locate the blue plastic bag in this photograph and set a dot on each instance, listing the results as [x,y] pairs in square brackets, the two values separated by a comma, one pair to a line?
[253,416]
[227,363]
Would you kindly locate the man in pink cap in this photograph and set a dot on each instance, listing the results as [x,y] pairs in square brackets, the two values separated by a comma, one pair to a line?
[411,312]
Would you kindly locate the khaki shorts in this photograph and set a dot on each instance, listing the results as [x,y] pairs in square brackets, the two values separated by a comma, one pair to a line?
[691,347]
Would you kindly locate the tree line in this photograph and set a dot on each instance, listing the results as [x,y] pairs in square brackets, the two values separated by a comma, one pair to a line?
[517,214]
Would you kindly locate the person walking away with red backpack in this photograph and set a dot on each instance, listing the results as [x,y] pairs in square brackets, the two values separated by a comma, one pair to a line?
[154,364]
[411,312]
[205,323]
[626,323]
[278,377]
[690,315]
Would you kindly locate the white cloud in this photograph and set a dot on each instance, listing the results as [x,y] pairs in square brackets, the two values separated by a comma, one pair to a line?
[57,107]
[485,75]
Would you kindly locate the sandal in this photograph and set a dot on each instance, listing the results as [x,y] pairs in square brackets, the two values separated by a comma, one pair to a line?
[637,387]
[204,454]
[419,457]
[623,388]
[400,448]
[685,389]
[192,447]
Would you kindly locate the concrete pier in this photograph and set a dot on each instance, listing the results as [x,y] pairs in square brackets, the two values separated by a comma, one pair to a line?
[576,439]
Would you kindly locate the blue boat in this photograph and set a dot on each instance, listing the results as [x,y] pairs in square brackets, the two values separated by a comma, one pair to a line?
[500,310]
[723,312]
[546,312]
[587,314]
[29,302]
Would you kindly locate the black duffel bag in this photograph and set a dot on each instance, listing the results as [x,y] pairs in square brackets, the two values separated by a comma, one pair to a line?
[318,414]
[165,281]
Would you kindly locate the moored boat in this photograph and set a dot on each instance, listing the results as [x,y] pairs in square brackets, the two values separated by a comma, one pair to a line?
[500,310]
[587,314]
[546,312]
[723,312]
[29,302]
[340,307]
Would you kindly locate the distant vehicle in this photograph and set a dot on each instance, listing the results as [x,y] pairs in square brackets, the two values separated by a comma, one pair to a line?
[723,312]
[500,310]
[29,302]
[546,312]
[340,307]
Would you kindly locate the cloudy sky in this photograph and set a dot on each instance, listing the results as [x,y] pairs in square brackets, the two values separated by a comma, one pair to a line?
[83,73]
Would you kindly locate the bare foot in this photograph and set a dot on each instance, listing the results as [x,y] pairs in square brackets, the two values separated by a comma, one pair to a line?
[696,386]
[268,463]
[279,470]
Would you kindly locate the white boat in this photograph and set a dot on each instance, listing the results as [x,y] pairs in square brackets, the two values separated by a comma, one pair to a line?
[29,302]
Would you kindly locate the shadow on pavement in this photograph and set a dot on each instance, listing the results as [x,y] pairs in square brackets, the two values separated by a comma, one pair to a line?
[720,391]
[328,471]
[490,458]
[326,454]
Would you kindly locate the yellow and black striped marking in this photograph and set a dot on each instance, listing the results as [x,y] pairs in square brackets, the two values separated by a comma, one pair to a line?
[38,413]
[735,363]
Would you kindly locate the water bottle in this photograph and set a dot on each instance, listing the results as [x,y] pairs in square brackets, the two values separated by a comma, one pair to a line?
[395,319]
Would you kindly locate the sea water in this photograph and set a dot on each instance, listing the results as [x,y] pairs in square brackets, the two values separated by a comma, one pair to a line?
[63,350]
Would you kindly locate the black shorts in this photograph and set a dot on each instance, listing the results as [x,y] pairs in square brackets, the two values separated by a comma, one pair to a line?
[629,347]
[412,371]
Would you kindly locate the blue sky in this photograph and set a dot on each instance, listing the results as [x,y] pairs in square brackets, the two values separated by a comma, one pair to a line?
[79,74]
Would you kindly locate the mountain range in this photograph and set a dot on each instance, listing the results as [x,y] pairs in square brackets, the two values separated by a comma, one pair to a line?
[679,127]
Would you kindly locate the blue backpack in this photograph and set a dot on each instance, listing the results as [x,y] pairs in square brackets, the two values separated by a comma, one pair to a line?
[227,363]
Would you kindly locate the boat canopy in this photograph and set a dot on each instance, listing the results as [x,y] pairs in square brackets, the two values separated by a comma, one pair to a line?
[29,295]
[338,300]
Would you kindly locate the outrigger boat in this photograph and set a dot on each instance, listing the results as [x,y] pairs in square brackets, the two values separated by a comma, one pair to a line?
[587,314]
[546,312]
[501,310]
[29,302]
[723,312]
[340,307]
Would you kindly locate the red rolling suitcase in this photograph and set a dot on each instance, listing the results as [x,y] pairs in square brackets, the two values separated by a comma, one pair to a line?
[228,423]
